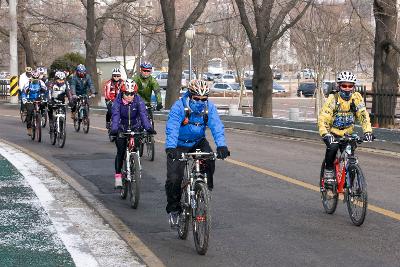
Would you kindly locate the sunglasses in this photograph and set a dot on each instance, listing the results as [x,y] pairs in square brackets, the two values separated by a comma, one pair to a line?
[200,98]
[146,70]
[117,75]
[129,93]
[346,86]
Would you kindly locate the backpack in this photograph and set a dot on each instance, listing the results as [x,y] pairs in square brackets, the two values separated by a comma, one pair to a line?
[353,108]
[187,111]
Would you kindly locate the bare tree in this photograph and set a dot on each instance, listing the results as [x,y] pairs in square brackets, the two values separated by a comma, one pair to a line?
[271,20]
[386,61]
[175,40]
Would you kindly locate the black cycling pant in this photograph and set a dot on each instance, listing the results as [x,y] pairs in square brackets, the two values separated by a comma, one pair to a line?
[175,173]
[109,110]
[121,143]
[330,154]
[29,114]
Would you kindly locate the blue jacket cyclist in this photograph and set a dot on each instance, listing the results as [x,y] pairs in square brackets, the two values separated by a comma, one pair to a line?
[128,113]
[33,90]
[185,132]
[81,84]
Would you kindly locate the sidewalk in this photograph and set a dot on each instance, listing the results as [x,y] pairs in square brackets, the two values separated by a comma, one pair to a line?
[44,222]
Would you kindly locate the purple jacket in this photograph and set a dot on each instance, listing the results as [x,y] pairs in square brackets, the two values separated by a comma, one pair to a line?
[120,115]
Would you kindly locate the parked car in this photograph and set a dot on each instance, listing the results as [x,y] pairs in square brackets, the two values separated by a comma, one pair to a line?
[220,87]
[226,78]
[186,74]
[328,87]
[248,83]
[162,79]
[308,74]
[277,74]
[208,76]
[155,73]
[277,88]
[306,89]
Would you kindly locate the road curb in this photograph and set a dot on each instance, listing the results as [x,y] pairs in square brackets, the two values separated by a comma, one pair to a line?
[133,241]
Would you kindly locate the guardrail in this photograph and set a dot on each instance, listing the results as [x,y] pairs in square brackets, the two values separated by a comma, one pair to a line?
[4,88]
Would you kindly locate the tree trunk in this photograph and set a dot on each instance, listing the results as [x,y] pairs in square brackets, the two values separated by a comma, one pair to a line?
[174,76]
[262,83]
[386,62]
[90,43]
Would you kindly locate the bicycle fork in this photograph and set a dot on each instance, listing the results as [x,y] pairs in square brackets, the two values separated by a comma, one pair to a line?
[128,165]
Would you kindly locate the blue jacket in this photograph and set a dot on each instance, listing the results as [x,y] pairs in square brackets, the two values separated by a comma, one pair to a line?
[32,91]
[188,135]
[120,115]
[81,86]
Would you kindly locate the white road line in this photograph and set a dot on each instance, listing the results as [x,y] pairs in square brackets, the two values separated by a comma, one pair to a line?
[30,169]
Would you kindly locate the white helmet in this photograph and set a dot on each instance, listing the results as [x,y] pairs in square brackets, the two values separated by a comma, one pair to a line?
[130,86]
[198,87]
[346,76]
[60,75]
[116,71]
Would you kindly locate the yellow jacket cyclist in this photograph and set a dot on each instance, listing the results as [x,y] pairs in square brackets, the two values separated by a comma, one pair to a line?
[338,116]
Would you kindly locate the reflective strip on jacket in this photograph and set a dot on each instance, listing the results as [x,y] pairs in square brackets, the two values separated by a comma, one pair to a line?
[187,135]
[342,120]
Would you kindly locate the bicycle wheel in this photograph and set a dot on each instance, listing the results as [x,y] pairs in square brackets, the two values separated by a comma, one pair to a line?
[38,127]
[329,195]
[357,199]
[86,121]
[141,147]
[33,127]
[150,147]
[184,219]
[22,113]
[53,134]
[123,193]
[202,219]
[77,121]
[61,135]
[135,181]
[43,121]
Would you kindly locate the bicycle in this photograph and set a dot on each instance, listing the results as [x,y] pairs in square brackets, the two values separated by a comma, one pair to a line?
[43,112]
[132,169]
[148,139]
[195,200]
[349,181]
[36,120]
[82,113]
[58,135]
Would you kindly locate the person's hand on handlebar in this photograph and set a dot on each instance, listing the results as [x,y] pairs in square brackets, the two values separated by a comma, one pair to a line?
[151,131]
[223,152]
[368,137]
[172,153]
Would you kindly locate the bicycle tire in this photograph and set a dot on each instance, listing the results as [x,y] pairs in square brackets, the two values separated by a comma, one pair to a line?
[53,134]
[184,219]
[329,196]
[62,134]
[33,127]
[141,148]
[43,121]
[134,196]
[86,121]
[202,218]
[150,148]
[22,115]
[77,122]
[357,209]
[38,127]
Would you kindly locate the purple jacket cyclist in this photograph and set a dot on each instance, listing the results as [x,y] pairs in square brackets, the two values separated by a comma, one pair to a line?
[128,113]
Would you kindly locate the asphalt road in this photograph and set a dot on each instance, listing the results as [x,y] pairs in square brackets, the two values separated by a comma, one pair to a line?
[260,218]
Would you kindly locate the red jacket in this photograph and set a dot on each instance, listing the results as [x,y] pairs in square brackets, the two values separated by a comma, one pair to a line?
[112,88]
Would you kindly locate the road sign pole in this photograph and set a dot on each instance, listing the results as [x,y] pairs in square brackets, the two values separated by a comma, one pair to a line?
[13,43]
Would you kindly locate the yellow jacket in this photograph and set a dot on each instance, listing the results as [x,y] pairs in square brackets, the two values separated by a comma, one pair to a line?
[338,118]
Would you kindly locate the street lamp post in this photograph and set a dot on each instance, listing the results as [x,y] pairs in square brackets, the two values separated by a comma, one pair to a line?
[189,34]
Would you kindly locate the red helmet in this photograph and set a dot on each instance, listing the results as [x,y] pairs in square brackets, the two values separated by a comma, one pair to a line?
[129,86]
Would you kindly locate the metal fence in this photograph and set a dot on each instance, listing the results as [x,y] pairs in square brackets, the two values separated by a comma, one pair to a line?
[4,88]
[385,100]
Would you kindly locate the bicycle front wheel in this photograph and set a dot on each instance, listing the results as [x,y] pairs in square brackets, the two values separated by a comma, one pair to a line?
[53,134]
[44,118]
[33,125]
[357,198]
[202,218]
[135,181]
[23,115]
[329,195]
[61,135]
[150,147]
[38,127]
[86,122]
[77,121]
[184,219]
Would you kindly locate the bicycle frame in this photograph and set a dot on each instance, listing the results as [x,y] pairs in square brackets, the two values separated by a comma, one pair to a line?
[131,148]
[60,113]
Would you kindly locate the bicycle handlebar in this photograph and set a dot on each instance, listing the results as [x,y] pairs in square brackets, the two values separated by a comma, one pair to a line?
[198,155]
[353,137]
[132,133]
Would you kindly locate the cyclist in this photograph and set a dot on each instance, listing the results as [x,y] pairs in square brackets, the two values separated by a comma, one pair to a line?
[24,78]
[32,91]
[185,132]
[128,110]
[111,90]
[337,118]
[58,91]
[148,84]
[81,83]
